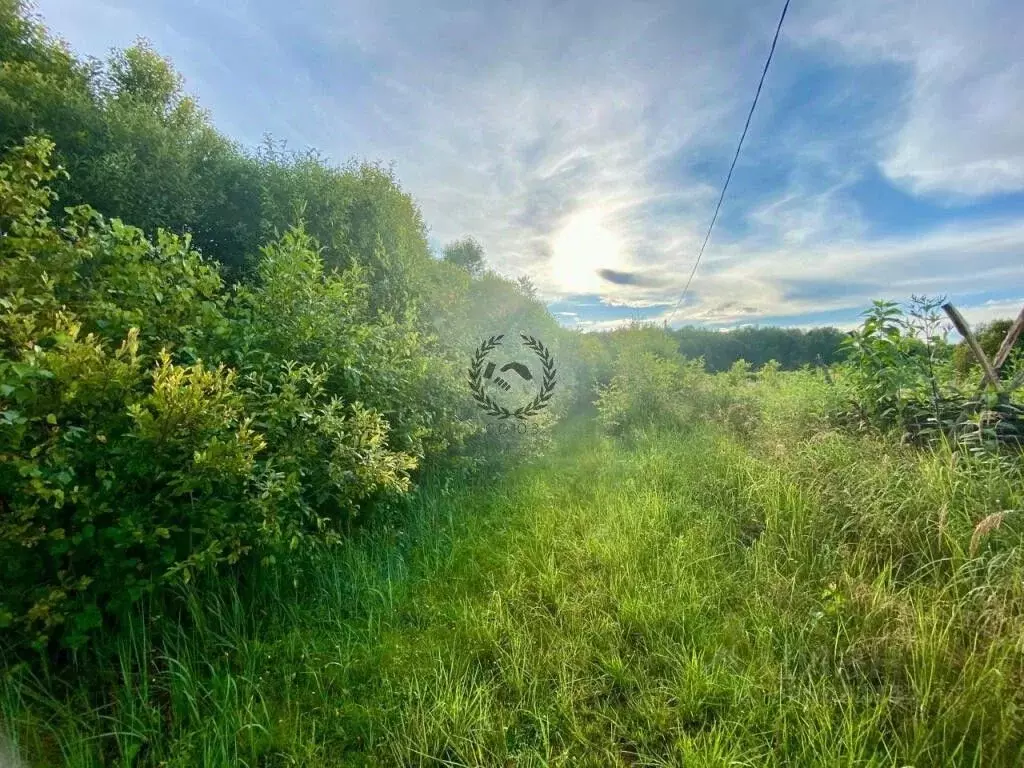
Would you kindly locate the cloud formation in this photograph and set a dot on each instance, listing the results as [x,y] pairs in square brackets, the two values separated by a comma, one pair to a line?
[584,143]
[960,134]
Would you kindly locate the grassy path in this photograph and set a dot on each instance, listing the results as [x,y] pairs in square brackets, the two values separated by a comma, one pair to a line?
[658,604]
[578,611]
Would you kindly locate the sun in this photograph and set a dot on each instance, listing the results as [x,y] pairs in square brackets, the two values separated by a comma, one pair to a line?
[583,245]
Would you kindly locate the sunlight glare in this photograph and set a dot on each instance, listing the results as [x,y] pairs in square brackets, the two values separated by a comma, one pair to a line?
[584,245]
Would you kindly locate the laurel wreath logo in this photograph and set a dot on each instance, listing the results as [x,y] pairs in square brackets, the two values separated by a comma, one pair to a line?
[488,403]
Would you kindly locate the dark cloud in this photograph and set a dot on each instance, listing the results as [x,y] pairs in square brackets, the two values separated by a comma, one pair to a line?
[620,278]
[628,279]
[730,308]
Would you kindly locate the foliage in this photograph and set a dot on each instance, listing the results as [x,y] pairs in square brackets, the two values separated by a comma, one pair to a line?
[154,425]
[804,597]
[791,348]
[466,254]
[155,422]
[642,381]
[990,336]
[902,376]
[183,465]
[118,464]
[140,149]
[648,389]
[526,286]
[893,369]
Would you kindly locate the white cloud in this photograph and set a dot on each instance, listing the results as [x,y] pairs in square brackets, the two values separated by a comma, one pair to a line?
[554,130]
[961,133]
[741,283]
[547,142]
[596,326]
[992,310]
[565,136]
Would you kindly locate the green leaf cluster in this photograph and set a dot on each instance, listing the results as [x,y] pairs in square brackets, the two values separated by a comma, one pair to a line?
[154,423]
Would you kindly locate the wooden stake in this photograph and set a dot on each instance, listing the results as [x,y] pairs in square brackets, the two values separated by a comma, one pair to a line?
[965,331]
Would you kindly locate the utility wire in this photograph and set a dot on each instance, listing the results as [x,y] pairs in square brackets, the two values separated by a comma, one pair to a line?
[735,157]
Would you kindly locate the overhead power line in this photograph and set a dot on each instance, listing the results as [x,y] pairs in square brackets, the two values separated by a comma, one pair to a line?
[732,166]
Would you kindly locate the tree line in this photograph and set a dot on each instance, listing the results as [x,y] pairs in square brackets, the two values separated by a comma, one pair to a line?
[791,348]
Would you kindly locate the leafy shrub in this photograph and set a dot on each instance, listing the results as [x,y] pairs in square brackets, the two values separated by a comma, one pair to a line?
[117,465]
[648,390]
[902,378]
[990,336]
[739,373]
[299,313]
[649,384]
[894,366]
[153,425]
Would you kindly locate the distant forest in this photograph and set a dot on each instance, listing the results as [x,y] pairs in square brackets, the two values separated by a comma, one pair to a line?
[792,348]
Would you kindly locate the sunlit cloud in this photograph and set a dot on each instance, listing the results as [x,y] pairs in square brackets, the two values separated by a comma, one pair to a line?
[585,143]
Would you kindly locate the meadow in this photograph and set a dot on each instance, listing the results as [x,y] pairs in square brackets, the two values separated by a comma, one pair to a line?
[252,515]
[797,596]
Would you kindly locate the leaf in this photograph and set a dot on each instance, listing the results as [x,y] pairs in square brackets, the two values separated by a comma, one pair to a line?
[12,417]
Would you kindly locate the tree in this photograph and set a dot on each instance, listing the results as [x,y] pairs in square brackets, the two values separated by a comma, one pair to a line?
[466,253]
[790,347]
[527,286]
[142,75]
[990,336]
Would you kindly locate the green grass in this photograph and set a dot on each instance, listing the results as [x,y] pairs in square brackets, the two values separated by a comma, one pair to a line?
[670,600]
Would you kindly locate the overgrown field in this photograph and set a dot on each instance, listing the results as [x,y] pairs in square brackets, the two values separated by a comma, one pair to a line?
[251,513]
[798,597]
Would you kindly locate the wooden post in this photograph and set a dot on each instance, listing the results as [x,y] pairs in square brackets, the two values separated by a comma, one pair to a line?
[965,331]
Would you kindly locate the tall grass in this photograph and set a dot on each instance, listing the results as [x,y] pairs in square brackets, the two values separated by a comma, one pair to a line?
[797,597]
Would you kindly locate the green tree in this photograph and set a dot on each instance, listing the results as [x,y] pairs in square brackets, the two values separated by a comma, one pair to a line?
[792,348]
[466,253]
[990,336]
[527,286]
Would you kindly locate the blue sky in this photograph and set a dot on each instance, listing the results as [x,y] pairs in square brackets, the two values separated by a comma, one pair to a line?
[577,140]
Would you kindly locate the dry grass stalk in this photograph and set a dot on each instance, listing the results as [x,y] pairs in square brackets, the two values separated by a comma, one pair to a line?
[943,520]
[987,525]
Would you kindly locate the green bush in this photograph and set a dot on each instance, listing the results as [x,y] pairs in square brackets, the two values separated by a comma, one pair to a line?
[118,465]
[153,424]
[990,336]
[902,377]
[643,382]
[647,389]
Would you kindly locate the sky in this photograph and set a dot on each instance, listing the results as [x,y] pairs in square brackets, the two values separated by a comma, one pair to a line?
[585,143]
